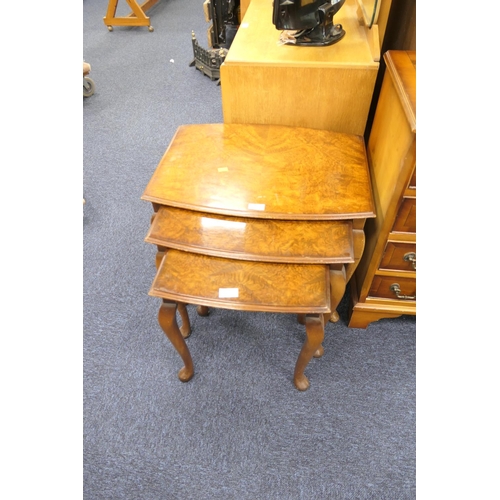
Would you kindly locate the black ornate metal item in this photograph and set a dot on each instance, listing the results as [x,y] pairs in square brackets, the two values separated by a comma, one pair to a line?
[225,18]
[207,61]
[312,21]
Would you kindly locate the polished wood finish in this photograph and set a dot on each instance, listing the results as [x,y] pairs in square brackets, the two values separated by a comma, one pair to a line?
[243,8]
[168,322]
[365,11]
[185,327]
[292,253]
[249,286]
[202,310]
[262,171]
[272,287]
[373,15]
[252,239]
[326,88]
[391,237]
[136,18]
[394,254]
[381,287]
[406,218]
[314,336]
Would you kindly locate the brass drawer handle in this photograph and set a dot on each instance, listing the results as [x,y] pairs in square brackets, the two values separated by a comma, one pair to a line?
[411,257]
[397,290]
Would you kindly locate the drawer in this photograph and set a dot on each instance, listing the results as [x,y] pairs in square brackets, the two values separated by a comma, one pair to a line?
[406,219]
[399,257]
[384,287]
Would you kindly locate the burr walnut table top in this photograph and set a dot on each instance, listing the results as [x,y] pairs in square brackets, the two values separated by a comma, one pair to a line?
[244,285]
[264,171]
[263,240]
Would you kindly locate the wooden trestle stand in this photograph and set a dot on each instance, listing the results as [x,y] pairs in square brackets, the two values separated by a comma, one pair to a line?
[136,18]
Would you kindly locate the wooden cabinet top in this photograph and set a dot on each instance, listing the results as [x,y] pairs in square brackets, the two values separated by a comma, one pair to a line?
[402,67]
[257,42]
[264,171]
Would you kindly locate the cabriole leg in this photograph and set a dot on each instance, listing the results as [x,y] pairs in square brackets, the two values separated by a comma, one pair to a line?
[301,318]
[359,246]
[185,328]
[168,323]
[315,333]
[202,310]
[337,289]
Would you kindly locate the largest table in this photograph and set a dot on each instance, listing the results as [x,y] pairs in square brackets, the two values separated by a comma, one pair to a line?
[257,218]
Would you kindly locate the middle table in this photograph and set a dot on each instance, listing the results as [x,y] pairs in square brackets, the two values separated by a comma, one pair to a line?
[260,218]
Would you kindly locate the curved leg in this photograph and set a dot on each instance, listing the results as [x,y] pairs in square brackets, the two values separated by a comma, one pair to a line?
[168,323]
[159,256]
[202,310]
[319,352]
[333,317]
[315,333]
[328,317]
[301,318]
[337,289]
[358,248]
[185,328]
[336,286]
[358,239]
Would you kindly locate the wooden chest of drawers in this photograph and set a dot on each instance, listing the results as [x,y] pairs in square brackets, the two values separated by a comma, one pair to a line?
[384,284]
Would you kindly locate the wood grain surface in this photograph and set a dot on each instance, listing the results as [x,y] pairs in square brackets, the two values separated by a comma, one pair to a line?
[329,88]
[252,239]
[392,153]
[264,171]
[236,284]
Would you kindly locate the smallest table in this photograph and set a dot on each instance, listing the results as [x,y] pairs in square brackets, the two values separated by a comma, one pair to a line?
[185,277]
[257,218]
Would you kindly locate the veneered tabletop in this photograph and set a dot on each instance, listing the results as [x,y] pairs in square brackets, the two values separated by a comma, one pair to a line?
[242,285]
[264,171]
[245,238]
